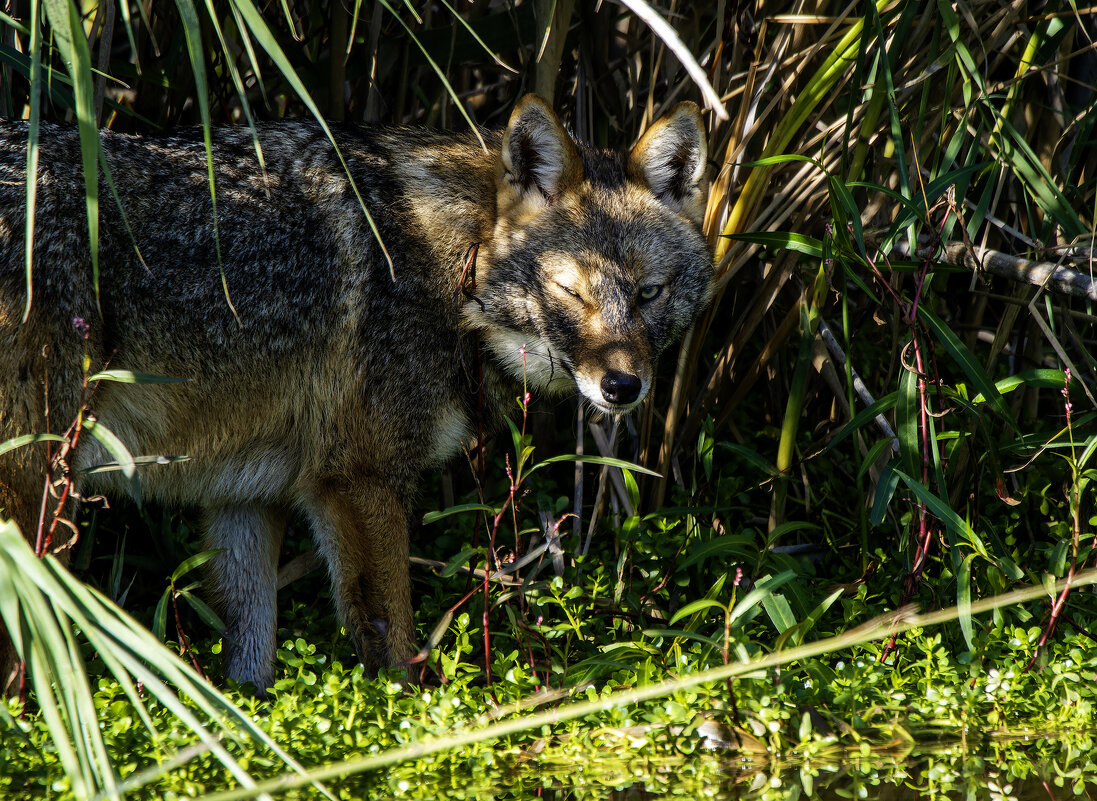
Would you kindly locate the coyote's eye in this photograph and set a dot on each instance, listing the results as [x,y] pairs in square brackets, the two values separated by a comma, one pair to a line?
[570,291]
[650,292]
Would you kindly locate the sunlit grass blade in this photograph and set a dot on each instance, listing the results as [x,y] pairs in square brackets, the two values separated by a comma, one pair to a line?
[234,74]
[438,71]
[134,377]
[808,245]
[262,33]
[941,510]
[56,669]
[779,611]
[1016,153]
[588,459]
[193,34]
[66,26]
[887,57]
[431,517]
[1040,377]
[762,589]
[962,566]
[28,439]
[472,32]
[11,22]
[840,59]
[32,147]
[670,38]
[44,596]
[694,607]
[796,634]
[249,48]
[116,448]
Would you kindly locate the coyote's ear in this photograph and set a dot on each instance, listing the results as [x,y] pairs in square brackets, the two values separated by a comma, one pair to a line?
[670,158]
[538,155]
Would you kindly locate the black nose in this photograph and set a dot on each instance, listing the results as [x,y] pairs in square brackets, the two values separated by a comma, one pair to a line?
[618,387]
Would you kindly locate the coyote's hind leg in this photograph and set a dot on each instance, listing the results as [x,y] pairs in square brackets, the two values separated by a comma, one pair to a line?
[362,533]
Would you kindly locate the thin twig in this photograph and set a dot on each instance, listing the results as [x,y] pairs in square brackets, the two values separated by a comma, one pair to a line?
[1056,277]
[839,355]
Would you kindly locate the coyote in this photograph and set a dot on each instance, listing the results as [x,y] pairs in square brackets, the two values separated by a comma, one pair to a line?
[318,378]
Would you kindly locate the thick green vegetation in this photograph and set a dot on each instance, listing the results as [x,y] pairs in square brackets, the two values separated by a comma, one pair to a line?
[889,405]
[803,716]
[626,617]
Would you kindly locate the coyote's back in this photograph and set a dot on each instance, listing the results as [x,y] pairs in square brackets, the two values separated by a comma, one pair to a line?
[314,381]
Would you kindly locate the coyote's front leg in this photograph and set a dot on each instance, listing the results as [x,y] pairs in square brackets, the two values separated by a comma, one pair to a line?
[362,533]
[245,586]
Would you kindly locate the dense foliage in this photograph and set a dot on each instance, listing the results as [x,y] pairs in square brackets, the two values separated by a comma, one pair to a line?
[890,403]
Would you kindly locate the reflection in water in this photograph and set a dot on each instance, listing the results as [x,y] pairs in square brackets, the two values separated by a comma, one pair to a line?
[925,778]
[844,787]
[1022,768]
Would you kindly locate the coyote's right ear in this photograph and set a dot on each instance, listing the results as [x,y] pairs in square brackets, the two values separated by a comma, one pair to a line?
[540,159]
[671,158]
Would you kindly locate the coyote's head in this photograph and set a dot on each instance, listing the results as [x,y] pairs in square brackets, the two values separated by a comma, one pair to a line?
[596,262]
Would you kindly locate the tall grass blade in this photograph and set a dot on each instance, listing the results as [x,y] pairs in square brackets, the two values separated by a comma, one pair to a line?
[967,362]
[28,439]
[1018,156]
[32,146]
[40,604]
[674,43]
[460,20]
[116,448]
[825,77]
[439,72]
[67,28]
[193,35]
[262,33]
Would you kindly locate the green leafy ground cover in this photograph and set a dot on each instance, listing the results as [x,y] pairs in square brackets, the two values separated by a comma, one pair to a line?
[845,718]
[813,716]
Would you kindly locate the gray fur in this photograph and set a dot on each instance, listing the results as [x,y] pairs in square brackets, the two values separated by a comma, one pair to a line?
[337,387]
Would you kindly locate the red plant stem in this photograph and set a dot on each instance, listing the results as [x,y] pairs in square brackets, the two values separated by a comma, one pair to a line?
[925,538]
[919,285]
[69,447]
[1053,619]
[883,282]
[184,643]
[1076,531]
[487,635]
[38,550]
[42,544]
[44,539]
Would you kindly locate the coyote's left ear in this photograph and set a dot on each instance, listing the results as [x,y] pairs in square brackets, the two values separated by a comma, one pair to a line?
[540,160]
[670,158]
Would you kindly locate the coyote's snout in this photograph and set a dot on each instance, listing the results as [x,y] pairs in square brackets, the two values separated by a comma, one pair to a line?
[327,388]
